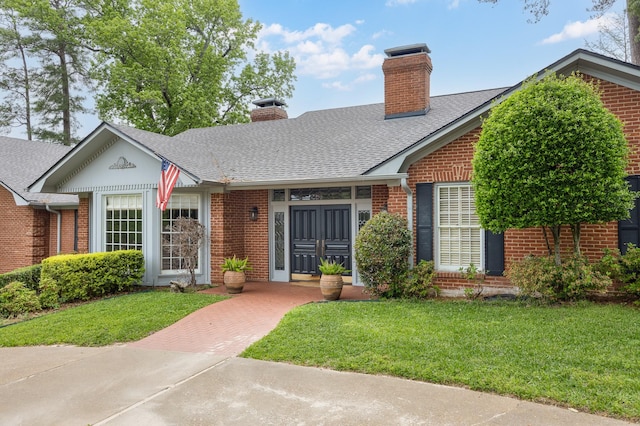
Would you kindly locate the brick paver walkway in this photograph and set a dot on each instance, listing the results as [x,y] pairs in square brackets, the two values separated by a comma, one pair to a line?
[226,328]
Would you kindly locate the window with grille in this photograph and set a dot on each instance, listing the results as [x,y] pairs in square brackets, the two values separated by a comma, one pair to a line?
[123,222]
[180,205]
[459,236]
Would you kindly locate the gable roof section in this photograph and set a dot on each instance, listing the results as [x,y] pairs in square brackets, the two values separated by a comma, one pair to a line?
[328,145]
[93,145]
[22,161]
[581,60]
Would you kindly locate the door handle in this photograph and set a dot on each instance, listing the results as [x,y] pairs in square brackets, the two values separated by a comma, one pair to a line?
[324,247]
[318,252]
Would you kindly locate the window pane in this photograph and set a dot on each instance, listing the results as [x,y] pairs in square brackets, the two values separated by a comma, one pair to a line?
[123,226]
[459,233]
[180,205]
[278,227]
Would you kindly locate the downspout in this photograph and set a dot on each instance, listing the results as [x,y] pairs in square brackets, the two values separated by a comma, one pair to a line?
[405,187]
[58,225]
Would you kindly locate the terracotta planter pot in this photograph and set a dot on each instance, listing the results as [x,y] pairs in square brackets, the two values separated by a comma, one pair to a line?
[234,281]
[331,286]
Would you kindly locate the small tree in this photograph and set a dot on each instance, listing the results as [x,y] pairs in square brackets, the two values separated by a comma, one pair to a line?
[382,253]
[188,235]
[550,155]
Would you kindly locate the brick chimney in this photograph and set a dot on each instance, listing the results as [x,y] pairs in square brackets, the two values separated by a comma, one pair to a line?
[407,75]
[268,109]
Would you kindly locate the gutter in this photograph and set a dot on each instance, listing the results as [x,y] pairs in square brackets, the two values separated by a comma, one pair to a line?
[405,187]
[58,225]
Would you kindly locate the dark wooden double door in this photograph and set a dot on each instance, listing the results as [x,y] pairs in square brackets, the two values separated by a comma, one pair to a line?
[319,232]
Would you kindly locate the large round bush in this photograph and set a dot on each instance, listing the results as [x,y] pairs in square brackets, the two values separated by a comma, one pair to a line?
[382,253]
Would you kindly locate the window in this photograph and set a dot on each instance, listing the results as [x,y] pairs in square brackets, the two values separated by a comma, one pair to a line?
[315,194]
[459,236]
[123,227]
[180,205]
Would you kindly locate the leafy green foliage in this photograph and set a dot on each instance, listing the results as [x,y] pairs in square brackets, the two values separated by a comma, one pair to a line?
[84,276]
[542,278]
[235,264]
[171,65]
[419,284]
[331,267]
[382,251]
[580,355]
[17,299]
[49,293]
[623,268]
[29,276]
[550,154]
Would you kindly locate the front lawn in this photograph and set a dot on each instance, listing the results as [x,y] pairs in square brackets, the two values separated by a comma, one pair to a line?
[585,356]
[116,319]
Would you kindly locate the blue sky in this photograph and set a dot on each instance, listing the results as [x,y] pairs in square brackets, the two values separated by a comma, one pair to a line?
[339,45]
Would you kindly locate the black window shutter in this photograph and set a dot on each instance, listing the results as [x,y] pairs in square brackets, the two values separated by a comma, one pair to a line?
[629,229]
[493,253]
[424,210]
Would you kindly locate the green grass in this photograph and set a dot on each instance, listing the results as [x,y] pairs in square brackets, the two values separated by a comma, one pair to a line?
[585,356]
[117,319]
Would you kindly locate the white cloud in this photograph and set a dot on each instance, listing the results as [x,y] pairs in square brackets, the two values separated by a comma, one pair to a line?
[579,29]
[382,33]
[342,87]
[453,4]
[392,3]
[318,50]
[336,85]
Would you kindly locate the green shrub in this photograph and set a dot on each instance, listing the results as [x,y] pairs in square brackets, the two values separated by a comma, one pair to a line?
[49,293]
[382,251]
[29,276]
[83,276]
[540,277]
[419,285]
[17,299]
[630,270]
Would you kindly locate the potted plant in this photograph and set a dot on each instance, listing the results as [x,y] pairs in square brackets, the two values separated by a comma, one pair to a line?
[331,279]
[234,277]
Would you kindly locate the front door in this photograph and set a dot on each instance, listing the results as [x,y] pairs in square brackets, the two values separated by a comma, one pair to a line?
[319,232]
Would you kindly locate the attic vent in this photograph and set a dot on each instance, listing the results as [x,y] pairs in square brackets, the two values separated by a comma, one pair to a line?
[268,109]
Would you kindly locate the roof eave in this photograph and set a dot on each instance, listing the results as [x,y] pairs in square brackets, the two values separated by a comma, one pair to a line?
[392,179]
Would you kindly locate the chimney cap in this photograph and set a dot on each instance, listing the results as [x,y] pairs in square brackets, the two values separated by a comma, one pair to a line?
[268,102]
[407,50]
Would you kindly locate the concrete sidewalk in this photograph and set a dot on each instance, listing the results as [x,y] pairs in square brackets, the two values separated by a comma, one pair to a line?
[121,385]
[199,381]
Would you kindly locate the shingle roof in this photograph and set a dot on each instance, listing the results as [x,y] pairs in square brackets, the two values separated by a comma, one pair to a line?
[326,144]
[23,161]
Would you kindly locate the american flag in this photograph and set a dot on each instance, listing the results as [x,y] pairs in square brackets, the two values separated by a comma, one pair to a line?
[168,178]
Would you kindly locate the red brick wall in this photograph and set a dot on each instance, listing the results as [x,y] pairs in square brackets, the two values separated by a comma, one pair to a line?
[452,163]
[83,225]
[24,237]
[233,233]
[67,234]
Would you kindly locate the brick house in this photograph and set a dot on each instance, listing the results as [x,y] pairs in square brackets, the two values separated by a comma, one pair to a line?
[32,226]
[285,192]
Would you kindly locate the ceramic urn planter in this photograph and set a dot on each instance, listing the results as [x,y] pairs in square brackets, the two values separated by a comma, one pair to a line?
[234,281]
[331,286]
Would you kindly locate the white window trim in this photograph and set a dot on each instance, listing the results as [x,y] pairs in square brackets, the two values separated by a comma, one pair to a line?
[451,268]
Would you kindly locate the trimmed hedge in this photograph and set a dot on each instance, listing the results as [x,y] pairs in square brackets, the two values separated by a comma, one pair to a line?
[84,276]
[29,276]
